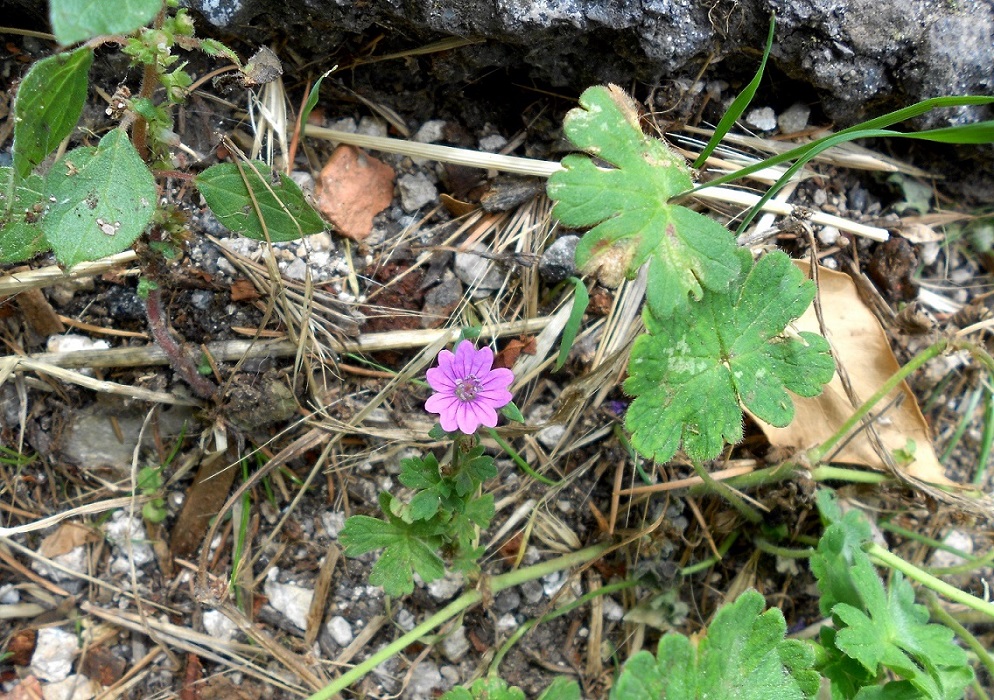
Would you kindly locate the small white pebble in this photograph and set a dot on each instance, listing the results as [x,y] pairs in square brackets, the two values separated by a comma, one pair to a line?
[340,630]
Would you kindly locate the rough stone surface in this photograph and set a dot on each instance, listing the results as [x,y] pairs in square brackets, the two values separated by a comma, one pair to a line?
[861,55]
[54,652]
[558,260]
[291,600]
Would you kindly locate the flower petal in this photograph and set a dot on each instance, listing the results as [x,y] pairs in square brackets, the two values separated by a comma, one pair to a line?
[445,360]
[485,415]
[448,422]
[462,366]
[483,360]
[441,403]
[440,379]
[499,378]
[466,418]
[494,398]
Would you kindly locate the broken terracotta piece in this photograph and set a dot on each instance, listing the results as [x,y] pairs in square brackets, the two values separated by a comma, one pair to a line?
[353,188]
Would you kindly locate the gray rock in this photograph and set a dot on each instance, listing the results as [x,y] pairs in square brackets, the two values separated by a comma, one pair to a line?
[447,587]
[532,591]
[425,680]
[440,301]
[558,260]
[431,131]
[859,54]
[416,191]
[762,118]
[291,600]
[455,645]
[93,443]
[507,601]
[794,118]
[54,652]
[478,271]
[340,630]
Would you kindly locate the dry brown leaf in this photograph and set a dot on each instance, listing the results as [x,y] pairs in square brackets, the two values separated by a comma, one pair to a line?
[66,538]
[864,351]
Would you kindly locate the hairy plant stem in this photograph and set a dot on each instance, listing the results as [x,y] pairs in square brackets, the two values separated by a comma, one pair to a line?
[150,81]
[492,585]
[884,558]
[180,361]
[722,489]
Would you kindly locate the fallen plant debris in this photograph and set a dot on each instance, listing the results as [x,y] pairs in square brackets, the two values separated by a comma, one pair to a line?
[636,528]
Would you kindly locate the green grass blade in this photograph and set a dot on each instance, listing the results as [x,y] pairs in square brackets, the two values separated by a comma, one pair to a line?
[808,152]
[740,104]
[580,301]
[312,98]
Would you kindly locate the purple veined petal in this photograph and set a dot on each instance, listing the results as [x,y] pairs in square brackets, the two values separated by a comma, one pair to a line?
[440,380]
[448,422]
[483,360]
[465,419]
[463,364]
[445,360]
[485,414]
[497,378]
[495,398]
[441,403]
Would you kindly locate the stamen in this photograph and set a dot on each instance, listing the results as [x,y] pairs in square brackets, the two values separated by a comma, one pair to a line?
[467,388]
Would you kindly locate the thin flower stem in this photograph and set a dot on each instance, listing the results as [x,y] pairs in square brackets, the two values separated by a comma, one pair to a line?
[180,361]
[817,454]
[883,557]
[558,612]
[787,552]
[728,493]
[519,460]
[723,548]
[468,599]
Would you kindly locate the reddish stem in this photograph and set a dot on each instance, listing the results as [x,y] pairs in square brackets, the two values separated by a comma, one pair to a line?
[178,358]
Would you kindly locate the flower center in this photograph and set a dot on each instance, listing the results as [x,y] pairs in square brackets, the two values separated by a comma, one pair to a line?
[467,388]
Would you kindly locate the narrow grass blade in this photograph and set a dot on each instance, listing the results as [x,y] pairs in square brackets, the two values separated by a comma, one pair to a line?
[741,102]
[580,301]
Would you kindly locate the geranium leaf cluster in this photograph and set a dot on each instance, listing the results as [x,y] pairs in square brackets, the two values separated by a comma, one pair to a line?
[97,200]
[717,323]
[496,688]
[743,655]
[881,644]
[442,514]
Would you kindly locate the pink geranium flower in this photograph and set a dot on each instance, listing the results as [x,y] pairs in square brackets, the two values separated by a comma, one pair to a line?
[468,391]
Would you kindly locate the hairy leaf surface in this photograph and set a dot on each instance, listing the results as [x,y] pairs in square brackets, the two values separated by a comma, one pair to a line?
[101,200]
[232,193]
[743,657]
[49,104]
[628,205]
[20,235]
[79,20]
[691,373]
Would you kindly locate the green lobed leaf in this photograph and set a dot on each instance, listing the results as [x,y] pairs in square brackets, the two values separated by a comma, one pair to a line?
[488,688]
[286,215]
[628,205]
[407,549]
[879,627]
[21,237]
[101,200]
[743,657]
[79,20]
[49,104]
[691,373]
